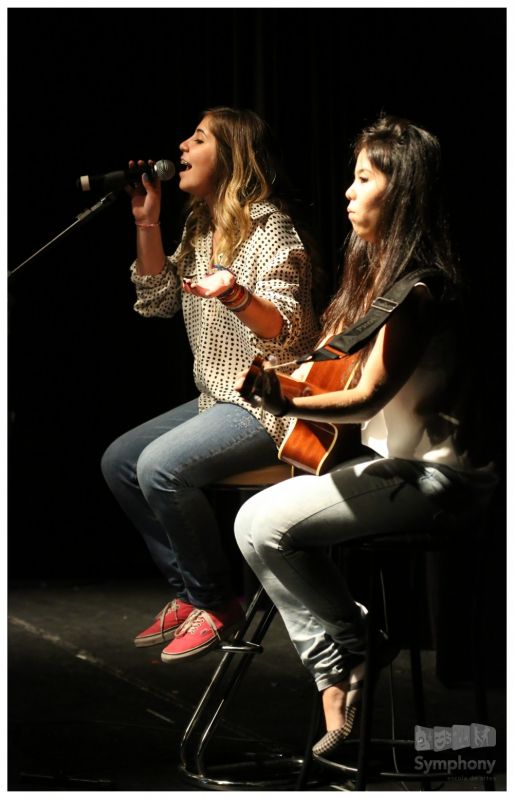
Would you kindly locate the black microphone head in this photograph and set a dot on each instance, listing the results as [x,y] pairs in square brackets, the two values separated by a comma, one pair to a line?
[112,181]
[164,169]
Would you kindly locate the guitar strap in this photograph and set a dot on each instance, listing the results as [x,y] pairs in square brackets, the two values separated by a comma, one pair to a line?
[357,335]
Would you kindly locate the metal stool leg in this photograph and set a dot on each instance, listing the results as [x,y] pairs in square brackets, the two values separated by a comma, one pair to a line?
[204,720]
[360,772]
[313,732]
[368,687]
[414,645]
[208,713]
[478,637]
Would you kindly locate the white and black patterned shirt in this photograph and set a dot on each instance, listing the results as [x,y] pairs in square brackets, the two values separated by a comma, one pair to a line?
[273,264]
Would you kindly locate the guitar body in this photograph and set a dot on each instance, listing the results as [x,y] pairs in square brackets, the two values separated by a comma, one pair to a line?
[316,447]
[309,446]
[313,447]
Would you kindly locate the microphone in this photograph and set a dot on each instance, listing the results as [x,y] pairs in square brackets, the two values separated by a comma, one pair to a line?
[164,170]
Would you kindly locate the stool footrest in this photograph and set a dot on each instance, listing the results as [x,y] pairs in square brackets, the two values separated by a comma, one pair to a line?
[243,647]
[266,771]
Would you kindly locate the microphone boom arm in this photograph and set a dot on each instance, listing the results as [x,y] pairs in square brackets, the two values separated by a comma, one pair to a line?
[82,217]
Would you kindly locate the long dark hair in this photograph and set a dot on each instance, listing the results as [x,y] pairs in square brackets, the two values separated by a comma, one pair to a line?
[412,230]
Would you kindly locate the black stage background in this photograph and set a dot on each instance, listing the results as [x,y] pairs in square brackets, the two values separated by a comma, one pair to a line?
[91,88]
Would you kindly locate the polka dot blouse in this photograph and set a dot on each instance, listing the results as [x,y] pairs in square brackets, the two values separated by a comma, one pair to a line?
[272,264]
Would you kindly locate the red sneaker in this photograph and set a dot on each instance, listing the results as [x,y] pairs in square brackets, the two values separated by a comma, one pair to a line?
[203,630]
[166,622]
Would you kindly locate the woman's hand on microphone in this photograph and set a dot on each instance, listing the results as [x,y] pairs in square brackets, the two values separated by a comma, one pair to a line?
[146,198]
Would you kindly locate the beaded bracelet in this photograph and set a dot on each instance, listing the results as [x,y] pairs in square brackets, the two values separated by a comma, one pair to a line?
[233,294]
[236,299]
[246,302]
[152,224]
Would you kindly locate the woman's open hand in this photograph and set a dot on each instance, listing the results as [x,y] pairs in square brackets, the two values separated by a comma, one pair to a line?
[210,286]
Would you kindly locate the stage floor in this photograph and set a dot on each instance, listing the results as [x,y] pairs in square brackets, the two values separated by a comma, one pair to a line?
[89,711]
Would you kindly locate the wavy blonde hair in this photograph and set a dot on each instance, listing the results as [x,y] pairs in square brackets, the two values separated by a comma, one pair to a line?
[246,171]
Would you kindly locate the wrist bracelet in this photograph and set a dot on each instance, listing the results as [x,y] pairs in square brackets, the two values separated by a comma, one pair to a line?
[232,294]
[246,302]
[151,224]
[220,268]
[237,299]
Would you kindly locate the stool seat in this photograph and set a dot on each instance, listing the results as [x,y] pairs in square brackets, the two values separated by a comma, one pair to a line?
[255,479]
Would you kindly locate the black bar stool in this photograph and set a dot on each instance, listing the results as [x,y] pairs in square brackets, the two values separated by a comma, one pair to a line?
[366,754]
[360,768]
[271,768]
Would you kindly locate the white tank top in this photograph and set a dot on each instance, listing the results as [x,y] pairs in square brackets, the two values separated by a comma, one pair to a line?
[415,424]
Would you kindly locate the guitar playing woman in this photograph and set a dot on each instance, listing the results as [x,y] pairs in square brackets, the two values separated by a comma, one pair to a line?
[417,472]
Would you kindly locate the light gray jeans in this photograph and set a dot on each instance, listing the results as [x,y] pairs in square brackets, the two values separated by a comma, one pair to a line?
[283,533]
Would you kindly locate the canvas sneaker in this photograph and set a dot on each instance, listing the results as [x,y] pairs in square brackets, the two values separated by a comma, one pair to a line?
[166,622]
[203,630]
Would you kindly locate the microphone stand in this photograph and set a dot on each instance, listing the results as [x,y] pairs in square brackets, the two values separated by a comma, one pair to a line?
[84,216]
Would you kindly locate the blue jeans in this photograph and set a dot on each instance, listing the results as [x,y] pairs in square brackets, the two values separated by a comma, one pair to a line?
[157,471]
[285,530]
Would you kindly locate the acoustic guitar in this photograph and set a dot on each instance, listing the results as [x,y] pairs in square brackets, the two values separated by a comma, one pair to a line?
[313,447]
